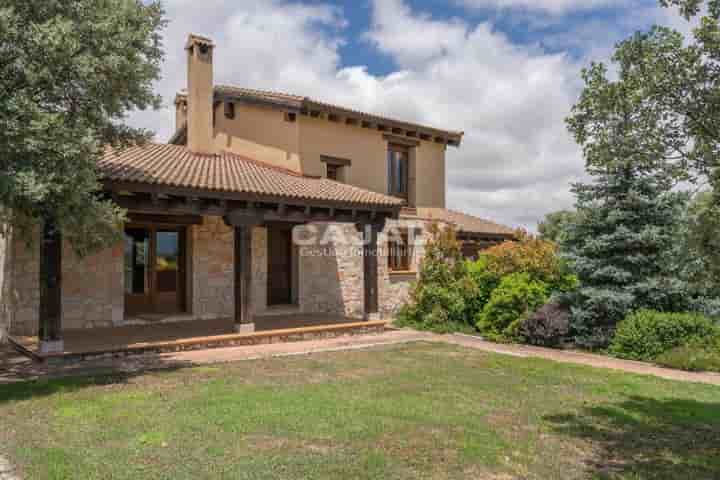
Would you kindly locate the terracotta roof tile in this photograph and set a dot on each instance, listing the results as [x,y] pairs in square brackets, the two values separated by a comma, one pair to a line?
[463,221]
[176,166]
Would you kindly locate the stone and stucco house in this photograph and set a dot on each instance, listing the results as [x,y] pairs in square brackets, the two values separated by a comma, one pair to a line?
[261,203]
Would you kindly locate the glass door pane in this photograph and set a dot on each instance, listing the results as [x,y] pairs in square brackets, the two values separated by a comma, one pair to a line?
[137,263]
[167,261]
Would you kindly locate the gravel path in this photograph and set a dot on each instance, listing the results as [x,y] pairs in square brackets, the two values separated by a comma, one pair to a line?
[7,472]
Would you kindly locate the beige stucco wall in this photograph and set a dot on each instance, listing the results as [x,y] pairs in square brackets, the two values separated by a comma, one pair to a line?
[364,147]
[260,133]
[429,175]
[367,149]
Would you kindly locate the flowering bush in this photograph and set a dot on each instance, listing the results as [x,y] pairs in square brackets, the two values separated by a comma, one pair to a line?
[538,258]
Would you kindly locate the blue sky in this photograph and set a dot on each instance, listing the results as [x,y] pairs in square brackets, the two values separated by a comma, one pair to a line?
[506,72]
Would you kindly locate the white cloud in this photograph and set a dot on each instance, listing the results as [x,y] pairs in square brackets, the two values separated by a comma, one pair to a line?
[550,6]
[413,38]
[517,159]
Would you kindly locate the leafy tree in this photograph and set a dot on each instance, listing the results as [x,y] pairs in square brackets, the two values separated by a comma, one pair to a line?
[552,227]
[69,73]
[672,86]
[703,239]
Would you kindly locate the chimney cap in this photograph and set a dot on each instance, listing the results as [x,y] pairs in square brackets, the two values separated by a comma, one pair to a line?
[195,39]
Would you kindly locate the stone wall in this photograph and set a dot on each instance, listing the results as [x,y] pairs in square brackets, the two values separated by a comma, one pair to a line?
[331,272]
[330,278]
[395,287]
[212,245]
[92,288]
[259,271]
[5,282]
[25,292]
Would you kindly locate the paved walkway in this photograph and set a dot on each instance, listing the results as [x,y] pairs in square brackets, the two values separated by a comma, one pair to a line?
[15,369]
[582,358]
[7,471]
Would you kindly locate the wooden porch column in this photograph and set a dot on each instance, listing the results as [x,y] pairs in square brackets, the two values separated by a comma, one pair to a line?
[50,321]
[243,279]
[370,268]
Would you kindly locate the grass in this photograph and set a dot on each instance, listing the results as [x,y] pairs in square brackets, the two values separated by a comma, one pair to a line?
[412,411]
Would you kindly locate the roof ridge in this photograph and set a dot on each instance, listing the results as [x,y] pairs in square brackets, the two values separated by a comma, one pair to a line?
[458,212]
[262,91]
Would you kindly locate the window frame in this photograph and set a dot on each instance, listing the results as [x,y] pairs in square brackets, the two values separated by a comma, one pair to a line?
[341,166]
[398,165]
[400,254]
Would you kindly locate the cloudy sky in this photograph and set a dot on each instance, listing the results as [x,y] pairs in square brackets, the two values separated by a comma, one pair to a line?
[504,71]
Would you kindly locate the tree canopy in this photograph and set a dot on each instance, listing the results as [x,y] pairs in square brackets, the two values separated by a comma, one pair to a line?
[70,71]
[670,90]
[552,227]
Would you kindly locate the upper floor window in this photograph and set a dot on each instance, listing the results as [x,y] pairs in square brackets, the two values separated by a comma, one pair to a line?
[334,172]
[336,168]
[398,161]
[229,110]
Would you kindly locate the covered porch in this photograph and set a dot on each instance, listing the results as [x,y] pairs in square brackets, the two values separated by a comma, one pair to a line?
[168,295]
[193,334]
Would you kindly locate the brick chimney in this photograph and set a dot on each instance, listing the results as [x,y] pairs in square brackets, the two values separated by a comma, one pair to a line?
[200,94]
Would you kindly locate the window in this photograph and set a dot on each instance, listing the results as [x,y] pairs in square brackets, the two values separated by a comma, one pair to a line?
[398,170]
[336,168]
[334,172]
[229,110]
[290,117]
[399,251]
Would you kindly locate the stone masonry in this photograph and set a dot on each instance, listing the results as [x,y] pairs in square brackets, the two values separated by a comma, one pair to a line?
[395,287]
[92,288]
[5,286]
[331,271]
[212,245]
[329,277]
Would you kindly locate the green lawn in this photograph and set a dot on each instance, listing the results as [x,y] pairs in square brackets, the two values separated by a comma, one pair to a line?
[412,411]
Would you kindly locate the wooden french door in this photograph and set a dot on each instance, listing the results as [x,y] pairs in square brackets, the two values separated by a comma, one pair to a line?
[154,269]
[279,289]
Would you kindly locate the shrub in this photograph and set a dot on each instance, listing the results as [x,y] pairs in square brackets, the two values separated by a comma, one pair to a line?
[547,326]
[694,357]
[438,299]
[538,258]
[515,297]
[646,334]
[481,285]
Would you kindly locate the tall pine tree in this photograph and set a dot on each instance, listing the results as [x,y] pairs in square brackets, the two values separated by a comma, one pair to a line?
[622,247]
[623,242]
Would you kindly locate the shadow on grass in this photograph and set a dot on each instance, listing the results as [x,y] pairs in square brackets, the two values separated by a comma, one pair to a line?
[648,438]
[27,380]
